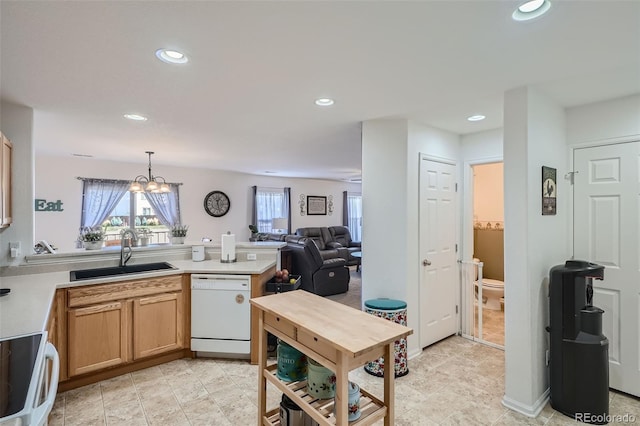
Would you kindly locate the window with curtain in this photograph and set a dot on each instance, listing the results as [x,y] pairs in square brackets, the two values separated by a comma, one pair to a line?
[352,217]
[109,204]
[270,204]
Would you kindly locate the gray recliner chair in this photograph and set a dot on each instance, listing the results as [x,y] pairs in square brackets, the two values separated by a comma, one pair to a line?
[320,276]
[342,236]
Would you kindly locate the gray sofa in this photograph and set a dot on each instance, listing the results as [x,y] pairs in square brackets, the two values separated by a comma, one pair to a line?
[342,236]
[329,249]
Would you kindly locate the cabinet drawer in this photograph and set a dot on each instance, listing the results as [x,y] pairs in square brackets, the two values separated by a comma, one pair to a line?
[280,324]
[317,344]
[91,294]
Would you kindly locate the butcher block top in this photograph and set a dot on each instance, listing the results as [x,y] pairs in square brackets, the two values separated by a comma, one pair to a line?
[348,330]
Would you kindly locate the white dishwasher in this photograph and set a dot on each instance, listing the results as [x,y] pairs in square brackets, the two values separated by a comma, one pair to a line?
[221,314]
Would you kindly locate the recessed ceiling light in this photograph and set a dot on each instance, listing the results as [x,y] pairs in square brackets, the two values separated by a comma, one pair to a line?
[171,56]
[478,117]
[135,117]
[531,9]
[324,102]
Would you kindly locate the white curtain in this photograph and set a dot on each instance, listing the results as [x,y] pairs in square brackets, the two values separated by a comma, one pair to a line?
[99,197]
[166,205]
[270,203]
[354,216]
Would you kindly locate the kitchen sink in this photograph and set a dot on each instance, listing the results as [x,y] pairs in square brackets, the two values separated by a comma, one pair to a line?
[87,274]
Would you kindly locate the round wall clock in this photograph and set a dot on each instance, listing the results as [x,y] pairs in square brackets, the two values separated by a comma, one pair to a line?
[216,203]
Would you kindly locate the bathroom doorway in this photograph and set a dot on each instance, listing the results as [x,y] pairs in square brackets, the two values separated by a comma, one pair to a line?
[483,272]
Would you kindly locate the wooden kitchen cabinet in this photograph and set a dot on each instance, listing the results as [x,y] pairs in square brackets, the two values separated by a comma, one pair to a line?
[157,324]
[120,327]
[6,155]
[98,337]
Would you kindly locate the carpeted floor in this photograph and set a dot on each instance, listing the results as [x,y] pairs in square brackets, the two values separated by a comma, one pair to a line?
[353,296]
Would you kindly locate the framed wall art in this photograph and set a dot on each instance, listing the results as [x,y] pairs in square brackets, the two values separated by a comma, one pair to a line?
[316,205]
[549,191]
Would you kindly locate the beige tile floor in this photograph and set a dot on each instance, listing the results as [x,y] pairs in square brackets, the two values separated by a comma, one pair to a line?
[454,382]
[492,326]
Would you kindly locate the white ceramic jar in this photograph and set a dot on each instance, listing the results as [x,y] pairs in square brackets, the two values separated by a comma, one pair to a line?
[321,382]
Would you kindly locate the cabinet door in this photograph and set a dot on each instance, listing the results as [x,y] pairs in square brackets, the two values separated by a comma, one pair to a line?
[98,337]
[5,182]
[157,324]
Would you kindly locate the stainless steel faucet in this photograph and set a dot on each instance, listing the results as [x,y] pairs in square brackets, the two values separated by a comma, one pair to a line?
[126,242]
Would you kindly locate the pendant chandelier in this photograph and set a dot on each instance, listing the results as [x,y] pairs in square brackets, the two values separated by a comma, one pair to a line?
[149,183]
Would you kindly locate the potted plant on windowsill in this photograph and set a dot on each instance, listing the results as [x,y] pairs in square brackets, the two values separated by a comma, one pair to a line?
[92,238]
[144,236]
[178,233]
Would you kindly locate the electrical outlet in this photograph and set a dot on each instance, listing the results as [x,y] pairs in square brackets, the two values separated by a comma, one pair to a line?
[251,256]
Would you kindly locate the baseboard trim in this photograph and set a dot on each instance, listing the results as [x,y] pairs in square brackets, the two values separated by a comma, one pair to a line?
[414,353]
[527,410]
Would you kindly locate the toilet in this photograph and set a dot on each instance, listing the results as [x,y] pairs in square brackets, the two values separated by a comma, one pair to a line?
[492,291]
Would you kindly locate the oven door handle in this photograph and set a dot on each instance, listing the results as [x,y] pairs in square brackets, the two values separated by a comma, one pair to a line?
[41,412]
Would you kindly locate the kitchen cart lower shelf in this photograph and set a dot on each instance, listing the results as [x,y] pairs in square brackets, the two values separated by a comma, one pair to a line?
[371,408]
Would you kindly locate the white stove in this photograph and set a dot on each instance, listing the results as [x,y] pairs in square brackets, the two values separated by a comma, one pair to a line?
[29,371]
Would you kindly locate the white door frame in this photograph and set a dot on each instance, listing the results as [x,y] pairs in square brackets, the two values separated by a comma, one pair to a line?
[467,209]
[466,253]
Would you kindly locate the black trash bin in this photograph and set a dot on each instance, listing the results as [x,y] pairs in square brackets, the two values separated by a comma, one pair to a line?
[579,352]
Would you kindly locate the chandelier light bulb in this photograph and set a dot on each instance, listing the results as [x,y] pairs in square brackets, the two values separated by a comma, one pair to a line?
[152,186]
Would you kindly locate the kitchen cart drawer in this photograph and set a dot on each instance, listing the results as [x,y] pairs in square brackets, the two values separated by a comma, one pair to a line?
[317,344]
[280,324]
[100,293]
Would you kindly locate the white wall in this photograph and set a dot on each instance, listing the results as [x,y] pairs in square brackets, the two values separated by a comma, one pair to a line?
[56,180]
[602,121]
[384,206]
[390,196]
[482,147]
[488,192]
[534,135]
[16,122]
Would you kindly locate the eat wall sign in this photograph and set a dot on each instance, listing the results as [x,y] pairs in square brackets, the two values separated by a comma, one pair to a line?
[42,205]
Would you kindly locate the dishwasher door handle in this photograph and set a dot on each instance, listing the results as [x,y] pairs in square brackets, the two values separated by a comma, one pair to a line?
[221,286]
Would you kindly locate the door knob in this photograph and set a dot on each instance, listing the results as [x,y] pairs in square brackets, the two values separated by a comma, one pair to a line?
[426,262]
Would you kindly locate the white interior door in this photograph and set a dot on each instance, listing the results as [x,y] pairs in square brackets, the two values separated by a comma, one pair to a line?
[607,232]
[439,269]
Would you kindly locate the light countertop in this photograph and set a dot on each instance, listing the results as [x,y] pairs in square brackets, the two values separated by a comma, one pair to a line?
[26,308]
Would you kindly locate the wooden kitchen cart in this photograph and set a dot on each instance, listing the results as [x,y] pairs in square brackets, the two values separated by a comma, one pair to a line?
[339,337]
